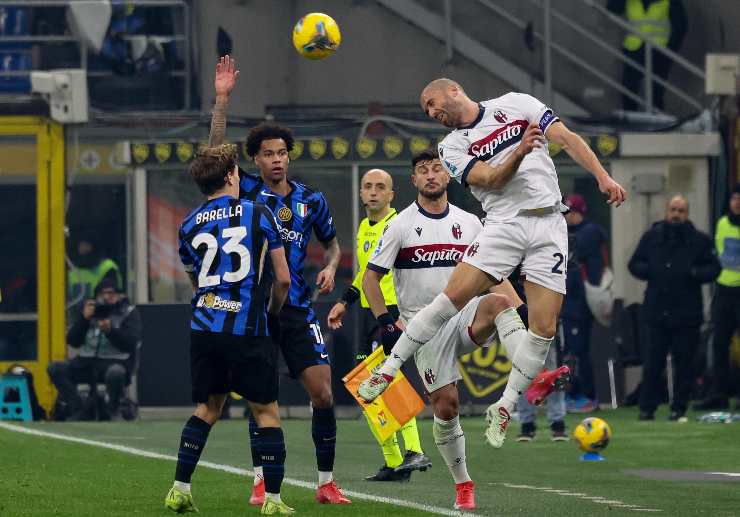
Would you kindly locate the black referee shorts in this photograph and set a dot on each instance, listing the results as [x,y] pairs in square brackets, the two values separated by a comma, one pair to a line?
[221,363]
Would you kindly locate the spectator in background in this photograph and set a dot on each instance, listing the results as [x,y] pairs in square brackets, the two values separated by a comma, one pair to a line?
[726,307]
[675,259]
[586,257]
[107,332]
[666,22]
[89,269]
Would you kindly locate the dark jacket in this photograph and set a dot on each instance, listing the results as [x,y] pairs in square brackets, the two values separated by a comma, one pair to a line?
[674,260]
[585,256]
[119,343]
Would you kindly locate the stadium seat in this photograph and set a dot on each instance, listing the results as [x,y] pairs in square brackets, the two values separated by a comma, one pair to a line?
[15,403]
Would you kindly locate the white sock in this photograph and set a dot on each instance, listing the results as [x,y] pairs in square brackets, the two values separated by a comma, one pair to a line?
[419,330]
[511,330]
[450,440]
[274,497]
[325,477]
[525,365]
[258,475]
[182,487]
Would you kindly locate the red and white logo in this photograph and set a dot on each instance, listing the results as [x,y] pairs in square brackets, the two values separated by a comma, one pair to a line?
[504,137]
[456,231]
[500,116]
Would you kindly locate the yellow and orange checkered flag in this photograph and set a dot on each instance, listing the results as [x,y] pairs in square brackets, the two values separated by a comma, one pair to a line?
[396,406]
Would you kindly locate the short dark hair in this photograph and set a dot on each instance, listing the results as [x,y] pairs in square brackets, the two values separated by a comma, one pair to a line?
[427,155]
[268,131]
[211,166]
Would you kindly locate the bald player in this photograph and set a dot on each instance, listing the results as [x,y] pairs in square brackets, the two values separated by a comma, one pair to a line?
[498,148]
[376,193]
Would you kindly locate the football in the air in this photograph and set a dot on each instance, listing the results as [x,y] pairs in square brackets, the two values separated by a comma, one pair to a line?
[592,434]
[316,36]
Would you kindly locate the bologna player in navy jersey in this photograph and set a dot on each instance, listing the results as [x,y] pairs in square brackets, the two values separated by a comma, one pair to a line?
[232,251]
[299,212]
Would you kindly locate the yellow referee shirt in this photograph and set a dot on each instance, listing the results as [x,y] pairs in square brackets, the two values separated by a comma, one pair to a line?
[368,235]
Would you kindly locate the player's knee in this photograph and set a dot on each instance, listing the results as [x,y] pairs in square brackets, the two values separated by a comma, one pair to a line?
[323,398]
[543,326]
[493,304]
[445,404]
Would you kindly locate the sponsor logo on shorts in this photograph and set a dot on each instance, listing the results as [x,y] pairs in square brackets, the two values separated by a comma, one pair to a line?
[211,301]
[473,249]
[429,376]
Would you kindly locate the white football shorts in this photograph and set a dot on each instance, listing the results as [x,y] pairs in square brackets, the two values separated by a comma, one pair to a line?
[436,360]
[538,242]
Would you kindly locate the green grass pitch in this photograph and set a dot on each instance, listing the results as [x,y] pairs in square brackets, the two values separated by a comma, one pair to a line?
[46,476]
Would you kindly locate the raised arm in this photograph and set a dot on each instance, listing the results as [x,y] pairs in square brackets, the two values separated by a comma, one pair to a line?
[224,82]
[582,154]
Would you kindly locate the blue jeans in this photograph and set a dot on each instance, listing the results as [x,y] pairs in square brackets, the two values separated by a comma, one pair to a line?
[555,402]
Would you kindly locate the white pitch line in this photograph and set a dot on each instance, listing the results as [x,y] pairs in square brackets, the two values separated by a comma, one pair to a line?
[593,498]
[232,470]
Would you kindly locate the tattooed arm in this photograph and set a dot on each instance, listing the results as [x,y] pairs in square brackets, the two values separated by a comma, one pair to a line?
[224,82]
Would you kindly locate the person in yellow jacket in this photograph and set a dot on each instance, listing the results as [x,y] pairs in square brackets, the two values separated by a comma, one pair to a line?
[665,22]
[376,193]
[726,306]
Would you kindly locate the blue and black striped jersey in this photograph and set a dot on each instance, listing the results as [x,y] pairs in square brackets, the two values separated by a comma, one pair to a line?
[297,214]
[224,245]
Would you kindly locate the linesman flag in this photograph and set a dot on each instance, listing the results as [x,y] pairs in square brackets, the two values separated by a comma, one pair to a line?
[394,408]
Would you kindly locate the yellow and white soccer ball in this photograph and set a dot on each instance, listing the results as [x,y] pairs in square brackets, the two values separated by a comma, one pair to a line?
[592,434]
[316,36]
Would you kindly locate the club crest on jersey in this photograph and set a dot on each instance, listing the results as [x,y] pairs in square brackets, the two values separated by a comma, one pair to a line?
[473,249]
[301,209]
[456,231]
[503,138]
[500,116]
[284,214]
[211,301]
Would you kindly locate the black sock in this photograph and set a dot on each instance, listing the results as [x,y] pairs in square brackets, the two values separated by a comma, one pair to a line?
[254,438]
[324,432]
[523,312]
[272,457]
[192,443]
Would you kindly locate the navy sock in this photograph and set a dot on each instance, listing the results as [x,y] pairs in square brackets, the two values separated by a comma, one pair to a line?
[272,457]
[324,432]
[523,312]
[192,443]
[254,437]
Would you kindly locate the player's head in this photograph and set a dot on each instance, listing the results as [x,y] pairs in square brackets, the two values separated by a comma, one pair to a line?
[215,171]
[445,100]
[376,190]
[268,145]
[677,210]
[428,176]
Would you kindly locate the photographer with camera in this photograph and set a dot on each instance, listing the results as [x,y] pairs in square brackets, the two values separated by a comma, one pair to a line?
[107,333]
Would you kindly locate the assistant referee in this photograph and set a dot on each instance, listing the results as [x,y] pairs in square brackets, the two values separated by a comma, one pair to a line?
[376,193]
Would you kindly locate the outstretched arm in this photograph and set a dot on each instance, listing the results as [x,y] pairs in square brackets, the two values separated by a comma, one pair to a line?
[224,82]
[582,154]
